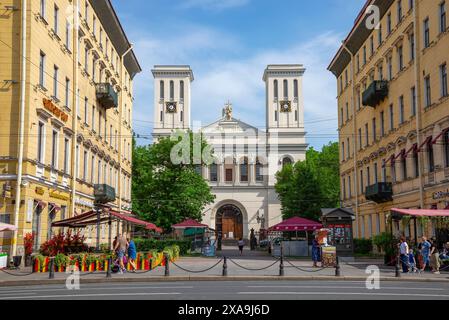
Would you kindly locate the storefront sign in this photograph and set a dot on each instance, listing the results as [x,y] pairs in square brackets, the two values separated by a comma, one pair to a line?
[440,195]
[56,195]
[40,191]
[84,203]
[50,106]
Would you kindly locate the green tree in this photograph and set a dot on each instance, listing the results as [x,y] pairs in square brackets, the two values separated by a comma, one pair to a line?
[166,192]
[306,187]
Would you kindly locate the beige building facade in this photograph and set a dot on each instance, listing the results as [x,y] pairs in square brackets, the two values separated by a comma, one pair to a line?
[393,108]
[66,103]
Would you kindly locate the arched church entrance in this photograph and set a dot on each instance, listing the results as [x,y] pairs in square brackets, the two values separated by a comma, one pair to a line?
[229,222]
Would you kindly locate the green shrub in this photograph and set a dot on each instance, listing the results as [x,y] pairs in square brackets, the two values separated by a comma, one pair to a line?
[363,246]
[148,245]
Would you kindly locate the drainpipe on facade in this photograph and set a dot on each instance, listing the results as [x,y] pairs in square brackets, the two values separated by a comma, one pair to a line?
[75,102]
[418,102]
[354,140]
[21,127]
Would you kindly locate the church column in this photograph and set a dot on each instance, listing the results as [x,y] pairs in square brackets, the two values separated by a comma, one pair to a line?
[221,173]
[236,173]
[252,173]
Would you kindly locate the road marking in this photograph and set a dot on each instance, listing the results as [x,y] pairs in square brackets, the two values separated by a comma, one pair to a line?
[339,287]
[346,293]
[93,288]
[91,295]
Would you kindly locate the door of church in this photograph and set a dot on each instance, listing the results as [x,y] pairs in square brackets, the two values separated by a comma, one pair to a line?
[230,222]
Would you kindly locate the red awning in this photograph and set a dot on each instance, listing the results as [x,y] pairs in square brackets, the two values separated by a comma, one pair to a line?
[297,224]
[422,212]
[133,220]
[189,223]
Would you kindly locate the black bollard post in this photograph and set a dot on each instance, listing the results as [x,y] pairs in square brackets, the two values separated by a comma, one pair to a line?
[281,266]
[225,267]
[398,267]
[108,273]
[51,268]
[150,263]
[337,268]
[33,265]
[167,266]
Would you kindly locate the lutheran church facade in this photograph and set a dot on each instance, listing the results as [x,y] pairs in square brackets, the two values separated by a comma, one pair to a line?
[243,174]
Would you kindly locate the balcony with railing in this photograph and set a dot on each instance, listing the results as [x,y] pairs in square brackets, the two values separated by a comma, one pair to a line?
[375,93]
[104,193]
[380,192]
[106,95]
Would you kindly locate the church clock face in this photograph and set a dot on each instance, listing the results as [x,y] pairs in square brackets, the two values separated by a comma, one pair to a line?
[171,107]
[286,106]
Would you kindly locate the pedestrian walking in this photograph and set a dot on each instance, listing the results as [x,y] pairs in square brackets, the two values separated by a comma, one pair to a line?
[404,251]
[132,254]
[241,246]
[435,262]
[425,252]
[412,262]
[121,248]
[316,252]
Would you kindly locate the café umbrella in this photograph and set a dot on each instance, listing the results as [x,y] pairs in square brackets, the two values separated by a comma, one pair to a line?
[7,227]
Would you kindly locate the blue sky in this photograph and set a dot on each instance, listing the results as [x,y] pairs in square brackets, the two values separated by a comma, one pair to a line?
[228,44]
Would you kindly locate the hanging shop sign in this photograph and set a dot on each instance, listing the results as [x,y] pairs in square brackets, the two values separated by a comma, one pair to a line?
[56,195]
[50,106]
[40,191]
[440,195]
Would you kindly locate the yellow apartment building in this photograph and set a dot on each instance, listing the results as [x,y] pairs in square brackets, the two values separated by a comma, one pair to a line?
[393,108]
[66,103]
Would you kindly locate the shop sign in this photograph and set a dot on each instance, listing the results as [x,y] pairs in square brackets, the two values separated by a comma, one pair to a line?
[6,194]
[40,191]
[440,195]
[56,195]
[50,106]
[84,203]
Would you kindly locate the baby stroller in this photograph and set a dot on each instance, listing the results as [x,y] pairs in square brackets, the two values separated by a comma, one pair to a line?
[115,268]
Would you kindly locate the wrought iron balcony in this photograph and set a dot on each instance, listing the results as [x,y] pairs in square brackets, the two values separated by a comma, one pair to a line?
[375,93]
[104,193]
[106,95]
[379,192]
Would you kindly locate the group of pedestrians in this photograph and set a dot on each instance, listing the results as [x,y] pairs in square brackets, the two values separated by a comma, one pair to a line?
[125,247]
[425,255]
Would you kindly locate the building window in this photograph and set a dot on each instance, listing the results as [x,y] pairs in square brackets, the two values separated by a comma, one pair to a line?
[390,68]
[162,90]
[93,118]
[86,111]
[382,124]
[374,129]
[99,172]
[213,172]
[446,149]
[379,35]
[416,161]
[412,46]
[401,110]
[362,185]
[42,70]
[172,90]
[67,92]
[276,89]
[401,58]
[400,16]
[404,167]
[285,89]
[92,169]
[349,147]
[443,76]
[68,35]
[391,118]
[259,173]
[66,155]
[77,156]
[244,171]
[296,89]
[55,81]
[41,142]
[54,150]
[367,135]
[56,19]
[443,25]
[181,90]
[343,151]
[43,9]
[368,176]
[275,116]
[413,94]
[364,55]
[427,91]
[360,139]
[426,33]
[371,46]
[376,173]
[389,24]
[85,168]
[430,155]
[116,140]
[349,187]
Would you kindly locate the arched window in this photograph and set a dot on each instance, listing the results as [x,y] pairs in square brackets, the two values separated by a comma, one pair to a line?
[213,175]
[296,88]
[259,169]
[286,161]
[244,170]
[285,89]
[172,90]
[181,90]
[162,90]
[276,89]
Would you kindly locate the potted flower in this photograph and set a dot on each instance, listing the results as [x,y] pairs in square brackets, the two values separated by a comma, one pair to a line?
[61,262]
[28,242]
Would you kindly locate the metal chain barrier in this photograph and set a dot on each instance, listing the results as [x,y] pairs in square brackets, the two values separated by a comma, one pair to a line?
[201,271]
[16,274]
[250,269]
[147,271]
[304,270]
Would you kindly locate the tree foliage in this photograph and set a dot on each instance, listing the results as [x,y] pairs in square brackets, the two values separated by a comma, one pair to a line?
[164,192]
[308,186]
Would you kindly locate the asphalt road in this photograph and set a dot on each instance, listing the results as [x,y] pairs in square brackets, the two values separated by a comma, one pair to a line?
[234,290]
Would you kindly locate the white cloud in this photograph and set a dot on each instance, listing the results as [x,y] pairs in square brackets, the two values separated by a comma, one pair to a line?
[214,4]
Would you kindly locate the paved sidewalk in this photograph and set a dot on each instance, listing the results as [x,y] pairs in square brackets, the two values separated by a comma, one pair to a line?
[238,269]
